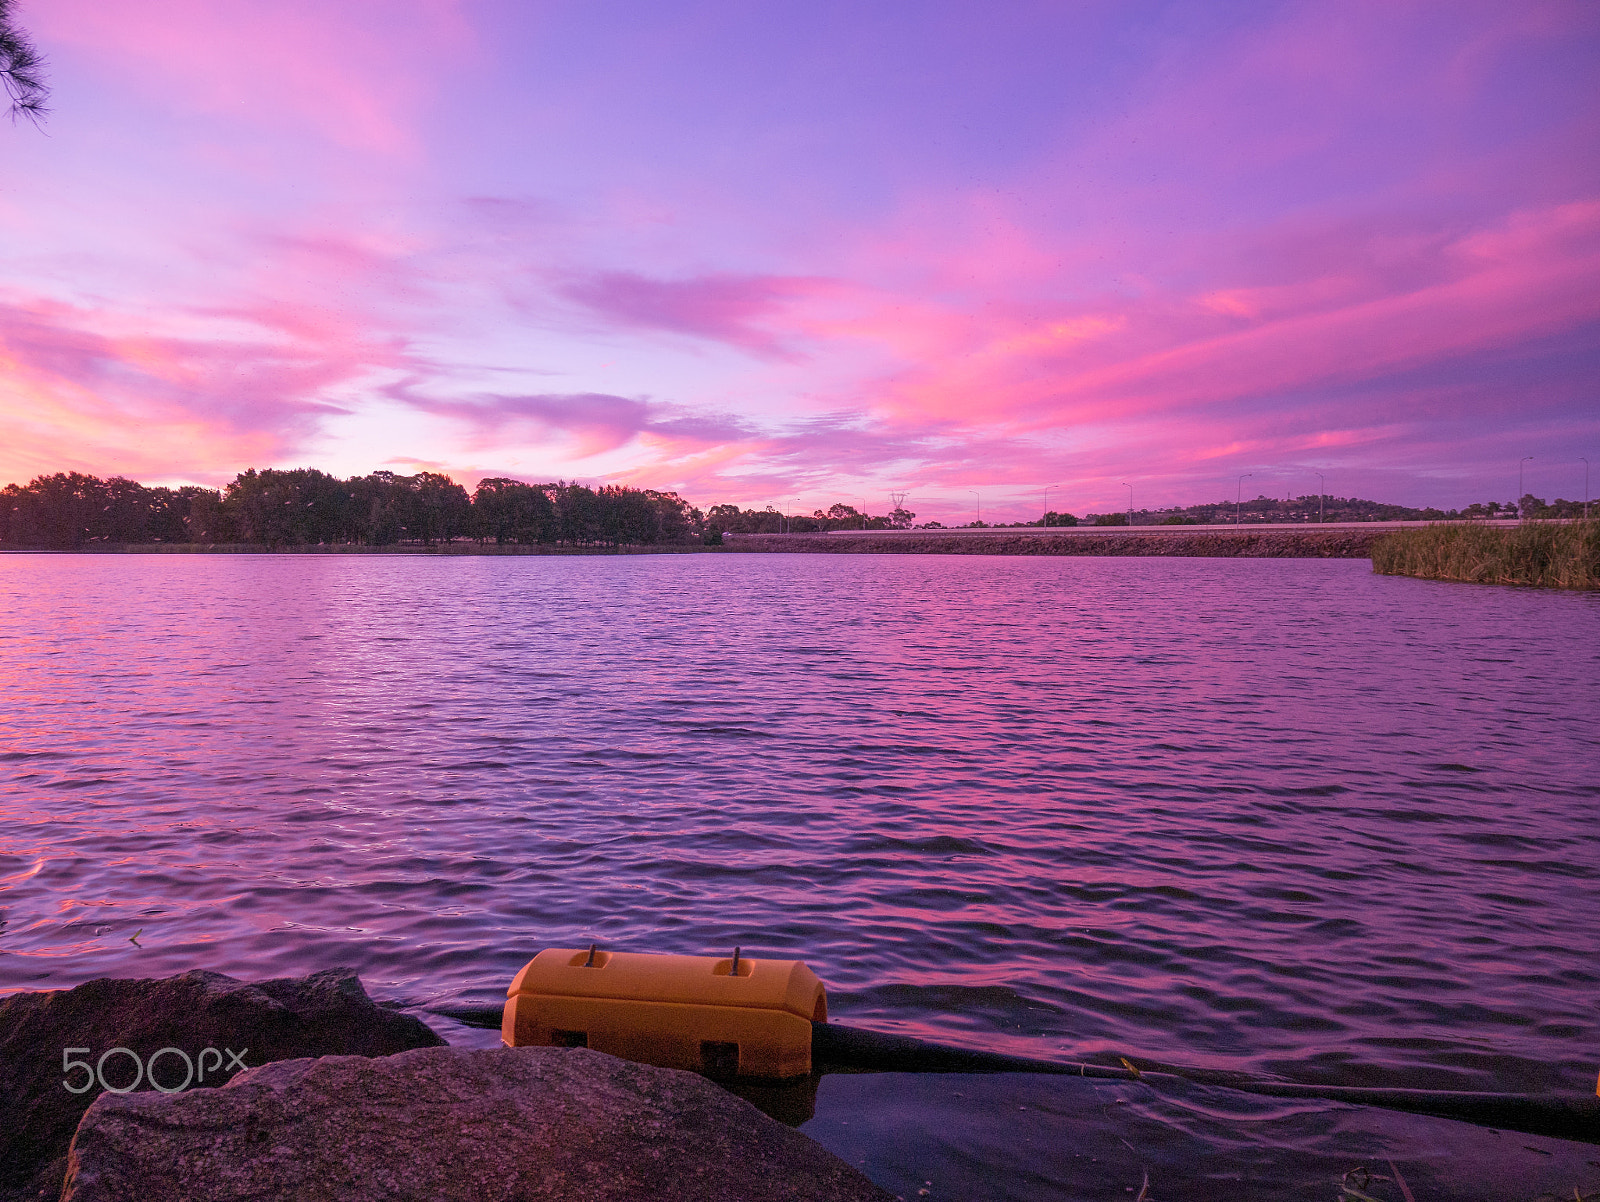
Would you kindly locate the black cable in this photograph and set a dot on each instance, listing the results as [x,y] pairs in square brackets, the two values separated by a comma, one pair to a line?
[1561,1116]
[836,1047]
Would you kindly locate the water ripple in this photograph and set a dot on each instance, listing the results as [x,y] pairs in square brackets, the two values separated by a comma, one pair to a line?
[1282,816]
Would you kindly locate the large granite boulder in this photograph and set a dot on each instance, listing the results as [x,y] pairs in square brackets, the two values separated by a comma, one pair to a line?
[500,1125]
[244,1024]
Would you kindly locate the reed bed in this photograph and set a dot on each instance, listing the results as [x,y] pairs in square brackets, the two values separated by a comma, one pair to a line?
[1243,544]
[1540,554]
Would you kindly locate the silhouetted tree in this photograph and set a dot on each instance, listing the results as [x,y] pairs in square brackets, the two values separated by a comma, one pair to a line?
[69,510]
[64,511]
[299,506]
[723,518]
[205,519]
[577,517]
[675,519]
[441,509]
[380,509]
[21,70]
[510,511]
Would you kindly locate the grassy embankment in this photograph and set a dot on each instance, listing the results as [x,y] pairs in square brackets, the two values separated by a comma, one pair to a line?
[1173,541]
[1544,554]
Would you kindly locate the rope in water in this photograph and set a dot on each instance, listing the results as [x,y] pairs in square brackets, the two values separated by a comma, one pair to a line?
[835,1047]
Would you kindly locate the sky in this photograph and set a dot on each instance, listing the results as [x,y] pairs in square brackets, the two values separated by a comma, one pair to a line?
[795,253]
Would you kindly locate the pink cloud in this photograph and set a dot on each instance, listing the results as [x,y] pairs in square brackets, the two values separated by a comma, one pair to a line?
[1362,363]
[1367,357]
[1535,274]
[98,392]
[589,423]
[585,424]
[723,308]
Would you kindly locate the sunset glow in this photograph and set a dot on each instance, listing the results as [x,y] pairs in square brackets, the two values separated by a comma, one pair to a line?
[793,254]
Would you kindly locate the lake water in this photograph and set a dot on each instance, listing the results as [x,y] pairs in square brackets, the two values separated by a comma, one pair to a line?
[1275,815]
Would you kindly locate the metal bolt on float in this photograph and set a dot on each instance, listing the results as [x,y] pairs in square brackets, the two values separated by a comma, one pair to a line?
[728,1017]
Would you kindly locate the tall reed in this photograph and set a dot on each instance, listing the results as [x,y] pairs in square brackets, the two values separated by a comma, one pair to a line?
[1545,554]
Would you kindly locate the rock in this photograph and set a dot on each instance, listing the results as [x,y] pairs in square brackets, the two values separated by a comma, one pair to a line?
[488,1125]
[327,1012]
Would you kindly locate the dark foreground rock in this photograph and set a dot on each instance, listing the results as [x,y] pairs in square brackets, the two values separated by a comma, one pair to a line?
[487,1125]
[326,1013]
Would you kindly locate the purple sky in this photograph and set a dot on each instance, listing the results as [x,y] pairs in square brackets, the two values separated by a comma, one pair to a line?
[797,253]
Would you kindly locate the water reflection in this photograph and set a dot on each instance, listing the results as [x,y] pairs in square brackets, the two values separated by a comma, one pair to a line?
[1276,815]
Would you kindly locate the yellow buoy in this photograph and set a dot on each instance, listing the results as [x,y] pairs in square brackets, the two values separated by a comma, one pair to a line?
[728,1017]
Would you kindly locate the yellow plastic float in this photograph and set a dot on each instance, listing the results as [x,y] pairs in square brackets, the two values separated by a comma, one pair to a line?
[728,1017]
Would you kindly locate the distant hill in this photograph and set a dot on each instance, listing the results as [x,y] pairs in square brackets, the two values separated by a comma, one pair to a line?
[1334,509]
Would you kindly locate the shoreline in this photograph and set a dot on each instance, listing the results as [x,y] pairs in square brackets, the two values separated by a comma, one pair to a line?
[1339,543]
[1343,543]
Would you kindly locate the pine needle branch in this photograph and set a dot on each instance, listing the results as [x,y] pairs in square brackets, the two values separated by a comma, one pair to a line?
[21,70]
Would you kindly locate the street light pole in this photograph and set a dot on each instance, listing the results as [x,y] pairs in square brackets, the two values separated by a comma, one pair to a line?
[1322,483]
[1585,488]
[1129,487]
[1520,462]
[979,495]
[1238,499]
[1045,520]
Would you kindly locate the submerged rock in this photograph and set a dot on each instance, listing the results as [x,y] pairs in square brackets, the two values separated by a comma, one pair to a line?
[245,1024]
[487,1125]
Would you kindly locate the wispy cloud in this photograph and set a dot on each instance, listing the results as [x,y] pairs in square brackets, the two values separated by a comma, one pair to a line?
[86,390]
[736,309]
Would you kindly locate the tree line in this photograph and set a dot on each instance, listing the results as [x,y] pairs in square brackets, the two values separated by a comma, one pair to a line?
[730,519]
[307,507]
